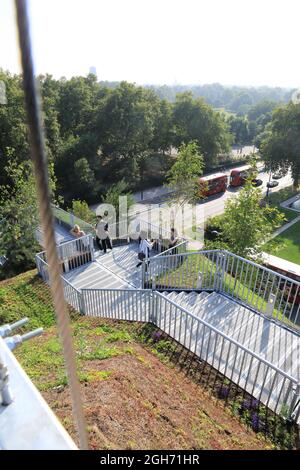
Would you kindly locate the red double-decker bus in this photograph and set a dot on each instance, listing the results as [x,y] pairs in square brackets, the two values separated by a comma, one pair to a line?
[213,184]
[238,176]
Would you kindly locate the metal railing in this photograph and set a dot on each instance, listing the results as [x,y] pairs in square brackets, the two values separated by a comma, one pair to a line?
[124,231]
[72,254]
[42,266]
[255,286]
[72,295]
[269,384]
[266,291]
[76,252]
[121,304]
[182,271]
[263,290]
[68,220]
[272,386]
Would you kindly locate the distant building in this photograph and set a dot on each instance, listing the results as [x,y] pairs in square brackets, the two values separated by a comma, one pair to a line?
[93,70]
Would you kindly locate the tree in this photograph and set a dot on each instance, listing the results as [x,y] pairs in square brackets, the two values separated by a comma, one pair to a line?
[13,131]
[82,211]
[163,135]
[239,127]
[246,222]
[126,123]
[115,191]
[280,145]
[184,174]
[19,220]
[83,178]
[195,120]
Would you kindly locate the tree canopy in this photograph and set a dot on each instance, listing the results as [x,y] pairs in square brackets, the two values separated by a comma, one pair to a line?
[280,145]
[184,175]
[97,135]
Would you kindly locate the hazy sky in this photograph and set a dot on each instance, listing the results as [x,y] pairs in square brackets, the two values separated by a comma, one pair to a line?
[243,42]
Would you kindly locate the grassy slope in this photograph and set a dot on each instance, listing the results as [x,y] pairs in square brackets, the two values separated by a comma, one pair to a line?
[286,245]
[280,196]
[134,396]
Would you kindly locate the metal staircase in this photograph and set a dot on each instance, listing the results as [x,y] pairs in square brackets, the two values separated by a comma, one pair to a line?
[237,316]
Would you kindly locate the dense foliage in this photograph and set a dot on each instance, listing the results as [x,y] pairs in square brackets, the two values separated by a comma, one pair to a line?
[280,144]
[97,135]
[18,220]
[235,99]
[184,174]
[247,221]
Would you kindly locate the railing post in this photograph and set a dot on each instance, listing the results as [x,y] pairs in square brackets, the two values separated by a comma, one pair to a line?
[6,397]
[220,271]
[294,410]
[153,306]
[81,303]
[143,275]
[91,243]
[37,262]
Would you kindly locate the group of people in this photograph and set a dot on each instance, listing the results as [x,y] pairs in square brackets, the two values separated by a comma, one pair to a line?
[103,240]
[145,246]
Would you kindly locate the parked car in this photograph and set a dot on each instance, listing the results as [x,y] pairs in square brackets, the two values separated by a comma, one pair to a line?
[272,184]
[278,176]
[257,182]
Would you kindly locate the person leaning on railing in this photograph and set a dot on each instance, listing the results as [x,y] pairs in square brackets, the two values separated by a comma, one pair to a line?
[78,233]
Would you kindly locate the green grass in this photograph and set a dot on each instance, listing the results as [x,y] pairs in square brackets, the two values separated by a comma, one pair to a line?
[280,196]
[66,217]
[286,245]
[186,277]
[26,296]
[42,358]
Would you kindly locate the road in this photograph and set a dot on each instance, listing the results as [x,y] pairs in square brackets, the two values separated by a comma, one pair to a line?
[158,211]
[159,208]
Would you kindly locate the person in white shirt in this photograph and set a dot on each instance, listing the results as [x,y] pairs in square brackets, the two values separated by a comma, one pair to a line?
[144,250]
[102,234]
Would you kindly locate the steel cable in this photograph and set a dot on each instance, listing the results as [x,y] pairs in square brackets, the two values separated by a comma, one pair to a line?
[38,153]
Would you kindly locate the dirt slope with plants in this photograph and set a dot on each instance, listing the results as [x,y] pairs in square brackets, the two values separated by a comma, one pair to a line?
[135,395]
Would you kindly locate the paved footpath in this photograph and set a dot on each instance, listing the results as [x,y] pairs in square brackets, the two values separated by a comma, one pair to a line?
[285,227]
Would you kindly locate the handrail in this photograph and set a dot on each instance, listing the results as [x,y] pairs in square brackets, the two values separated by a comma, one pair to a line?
[236,343]
[204,252]
[175,247]
[71,285]
[271,271]
[28,422]
[262,289]
[74,240]
[203,322]
[112,289]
